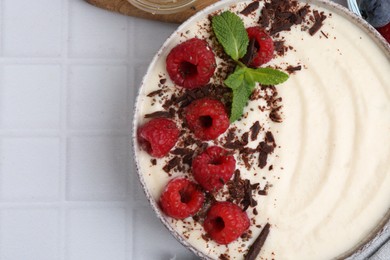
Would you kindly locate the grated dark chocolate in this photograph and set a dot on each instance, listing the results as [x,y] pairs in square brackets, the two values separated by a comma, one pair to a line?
[255,248]
[250,8]
[159,114]
[291,69]
[255,129]
[318,19]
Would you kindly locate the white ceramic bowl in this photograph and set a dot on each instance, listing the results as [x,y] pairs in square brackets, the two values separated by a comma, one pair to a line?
[362,249]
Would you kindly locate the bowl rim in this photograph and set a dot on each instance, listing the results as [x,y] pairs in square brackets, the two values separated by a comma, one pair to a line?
[376,234]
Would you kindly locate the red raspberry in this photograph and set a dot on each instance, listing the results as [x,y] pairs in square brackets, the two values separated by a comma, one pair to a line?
[158,136]
[181,198]
[213,168]
[191,63]
[207,118]
[225,222]
[264,46]
[385,31]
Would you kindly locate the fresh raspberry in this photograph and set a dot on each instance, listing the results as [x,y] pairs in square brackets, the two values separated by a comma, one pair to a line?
[264,46]
[207,118]
[191,63]
[225,222]
[158,136]
[181,198]
[385,31]
[213,168]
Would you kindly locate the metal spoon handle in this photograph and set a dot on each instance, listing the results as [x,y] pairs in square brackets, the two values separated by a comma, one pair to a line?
[353,6]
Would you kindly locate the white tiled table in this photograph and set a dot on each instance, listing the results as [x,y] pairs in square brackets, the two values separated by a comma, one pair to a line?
[69,73]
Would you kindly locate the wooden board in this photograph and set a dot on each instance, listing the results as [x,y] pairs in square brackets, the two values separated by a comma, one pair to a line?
[124,7]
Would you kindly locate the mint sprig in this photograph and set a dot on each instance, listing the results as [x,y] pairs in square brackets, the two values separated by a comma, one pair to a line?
[231,34]
[242,88]
[243,82]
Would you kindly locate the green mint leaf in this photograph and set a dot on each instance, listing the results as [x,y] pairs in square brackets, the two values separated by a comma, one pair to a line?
[235,79]
[242,87]
[267,76]
[240,97]
[231,34]
[243,82]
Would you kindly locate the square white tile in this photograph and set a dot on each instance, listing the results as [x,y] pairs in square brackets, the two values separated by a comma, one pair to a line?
[150,233]
[98,234]
[139,72]
[30,169]
[148,43]
[29,234]
[98,97]
[98,168]
[96,33]
[139,194]
[30,96]
[30,30]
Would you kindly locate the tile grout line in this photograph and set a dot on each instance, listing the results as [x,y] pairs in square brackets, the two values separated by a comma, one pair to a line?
[63,130]
[1,139]
[16,204]
[129,253]
[1,87]
[57,133]
[1,29]
[1,176]
[56,60]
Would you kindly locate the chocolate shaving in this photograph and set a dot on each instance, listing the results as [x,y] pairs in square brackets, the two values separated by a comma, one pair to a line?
[255,248]
[281,15]
[175,161]
[224,257]
[241,191]
[291,69]
[231,141]
[248,196]
[324,34]
[255,129]
[264,192]
[250,8]
[185,154]
[236,187]
[250,53]
[318,19]
[153,161]
[281,25]
[263,159]
[266,147]
[275,116]
[162,81]
[302,13]
[264,18]
[244,139]
[210,91]
[159,114]
[234,145]
[182,151]
[230,136]
[269,137]
[154,93]
[279,47]
[187,159]
[246,155]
